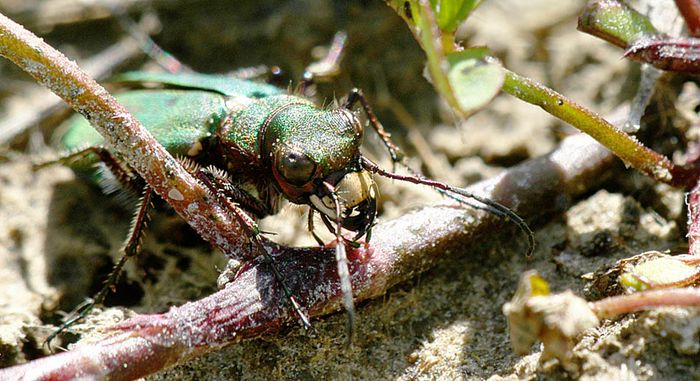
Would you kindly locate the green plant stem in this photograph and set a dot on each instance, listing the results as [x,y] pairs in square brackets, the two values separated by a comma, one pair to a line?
[624,146]
[615,22]
[431,40]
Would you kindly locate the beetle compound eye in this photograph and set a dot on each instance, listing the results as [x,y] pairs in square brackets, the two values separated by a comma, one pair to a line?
[296,167]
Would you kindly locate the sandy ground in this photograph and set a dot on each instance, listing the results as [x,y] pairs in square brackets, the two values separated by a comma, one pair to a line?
[59,236]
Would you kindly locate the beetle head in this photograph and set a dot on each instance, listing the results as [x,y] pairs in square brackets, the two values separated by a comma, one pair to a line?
[310,150]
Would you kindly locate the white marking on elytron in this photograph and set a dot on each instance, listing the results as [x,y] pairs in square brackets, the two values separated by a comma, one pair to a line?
[175,194]
[237,103]
[192,207]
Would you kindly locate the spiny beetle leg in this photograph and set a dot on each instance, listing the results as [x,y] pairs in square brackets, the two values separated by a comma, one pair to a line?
[263,245]
[130,249]
[357,94]
[223,183]
[126,177]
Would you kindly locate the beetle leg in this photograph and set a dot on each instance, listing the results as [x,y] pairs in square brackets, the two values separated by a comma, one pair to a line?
[126,177]
[130,249]
[172,65]
[253,233]
[222,182]
[138,32]
[312,229]
[327,67]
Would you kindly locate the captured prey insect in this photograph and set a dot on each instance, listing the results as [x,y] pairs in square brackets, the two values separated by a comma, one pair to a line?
[252,144]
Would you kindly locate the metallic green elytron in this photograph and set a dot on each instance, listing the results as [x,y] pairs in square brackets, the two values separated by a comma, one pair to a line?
[270,143]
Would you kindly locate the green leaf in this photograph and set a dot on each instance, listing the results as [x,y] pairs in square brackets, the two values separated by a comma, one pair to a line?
[660,272]
[475,78]
[615,22]
[451,13]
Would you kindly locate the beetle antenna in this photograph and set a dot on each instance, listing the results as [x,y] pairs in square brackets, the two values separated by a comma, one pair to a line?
[342,263]
[457,194]
[327,67]
[358,95]
[139,32]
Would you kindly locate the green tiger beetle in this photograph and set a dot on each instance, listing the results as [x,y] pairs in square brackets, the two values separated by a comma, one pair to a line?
[253,144]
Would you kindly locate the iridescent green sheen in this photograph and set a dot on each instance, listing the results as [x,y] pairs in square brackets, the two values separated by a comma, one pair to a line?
[219,120]
[225,85]
[178,119]
[185,113]
[328,137]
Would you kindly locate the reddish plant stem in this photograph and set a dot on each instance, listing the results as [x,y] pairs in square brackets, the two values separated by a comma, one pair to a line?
[252,304]
[679,54]
[125,135]
[645,300]
[690,10]
[99,66]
